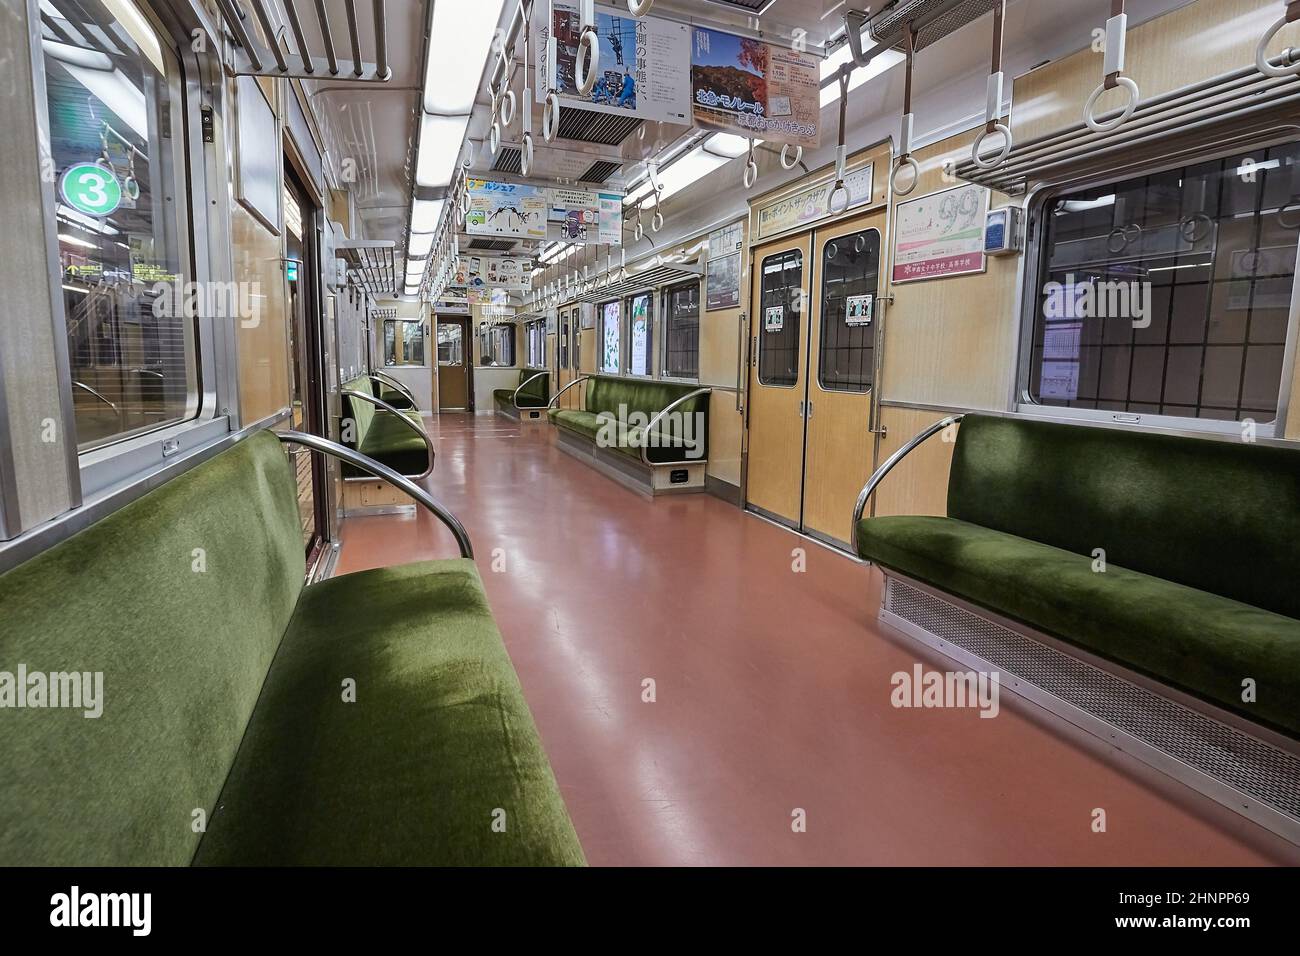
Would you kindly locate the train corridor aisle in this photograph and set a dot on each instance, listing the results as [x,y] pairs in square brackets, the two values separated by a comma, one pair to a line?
[768,735]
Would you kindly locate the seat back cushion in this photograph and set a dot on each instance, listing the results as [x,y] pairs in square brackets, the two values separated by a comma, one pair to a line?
[180,600]
[362,413]
[1220,516]
[606,394]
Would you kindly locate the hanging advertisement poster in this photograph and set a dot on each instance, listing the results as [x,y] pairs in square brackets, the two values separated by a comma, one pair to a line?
[505,209]
[492,272]
[644,63]
[940,235]
[611,219]
[610,332]
[640,335]
[751,88]
[576,215]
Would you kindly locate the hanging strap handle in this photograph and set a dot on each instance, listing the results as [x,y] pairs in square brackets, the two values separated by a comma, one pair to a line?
[1113,73]
[993,100]
[841,150]
[586,64]
[1291,56]
[905,159]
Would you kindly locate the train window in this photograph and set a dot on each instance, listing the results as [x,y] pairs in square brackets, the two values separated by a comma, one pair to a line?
[497,346]
[638,334]
[850,273]
[611,338]
[782,304]
[1169,294]
[563,347]
[116,142]
[682,331]
[535,332]
[451,344]
[403,342]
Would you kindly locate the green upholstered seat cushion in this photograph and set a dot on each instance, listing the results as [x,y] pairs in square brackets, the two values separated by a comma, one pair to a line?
[1193,639]
[586,424]
[438,740]
[632,404]
[1219,516]
[395,398]
[534,393]
[180,599]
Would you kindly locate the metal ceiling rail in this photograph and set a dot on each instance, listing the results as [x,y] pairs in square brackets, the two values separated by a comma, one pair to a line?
[372,264]
[615,285]
[856,20]
[252,58]
[1242,101]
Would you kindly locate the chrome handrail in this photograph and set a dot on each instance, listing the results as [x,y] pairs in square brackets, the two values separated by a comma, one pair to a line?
[514,398]
[400,386]
[86,388]
[358,460]
[879,474]
[645,457]
[417,427]
[551,403]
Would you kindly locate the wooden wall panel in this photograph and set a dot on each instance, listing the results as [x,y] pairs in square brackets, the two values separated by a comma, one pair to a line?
[1195,42]
[263,346]
[919,485]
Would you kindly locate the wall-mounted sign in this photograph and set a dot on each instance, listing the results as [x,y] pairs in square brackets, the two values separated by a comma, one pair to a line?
[774,318]
[940,235]
[728,239]
[644,66]
[505,209]
[858,309]
[745,86]
[811,205]
[722,285]
[90,188]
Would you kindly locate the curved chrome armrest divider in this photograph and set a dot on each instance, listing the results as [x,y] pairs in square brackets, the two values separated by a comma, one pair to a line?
[381,471]
[417,427]
[879,474]
[551,403]
[86,388]
[514,398]
[389,380]
[645,457]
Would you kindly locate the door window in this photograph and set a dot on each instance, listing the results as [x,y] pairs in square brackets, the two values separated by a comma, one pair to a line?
[780,304]
[850,274]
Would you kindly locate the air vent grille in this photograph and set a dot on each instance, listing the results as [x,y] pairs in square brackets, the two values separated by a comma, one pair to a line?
[889,25]
[603,129]
[509,159]
[492,245]
[1251,767]
[752,7]
[599,171]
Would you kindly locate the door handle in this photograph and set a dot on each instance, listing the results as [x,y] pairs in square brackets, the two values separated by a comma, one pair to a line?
[802,412]
[810,408]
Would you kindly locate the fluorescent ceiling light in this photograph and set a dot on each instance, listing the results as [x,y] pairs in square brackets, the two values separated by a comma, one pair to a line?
[691,168]
[129,15]
[728,144]
[879,64]
[440,141]
[415,267]
[425,214]
[64,237]
[460,38]
[420,244]
[116,92]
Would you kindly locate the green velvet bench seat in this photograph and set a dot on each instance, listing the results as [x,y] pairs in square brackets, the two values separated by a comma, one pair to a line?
[1200,540]
[528,399]
[370,719]
[619,431]
[382,434]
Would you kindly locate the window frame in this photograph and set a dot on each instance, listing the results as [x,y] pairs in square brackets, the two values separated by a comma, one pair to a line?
[665,315]
[805,258]
[1030,280]
[488,331]
[207,256]
[424,334]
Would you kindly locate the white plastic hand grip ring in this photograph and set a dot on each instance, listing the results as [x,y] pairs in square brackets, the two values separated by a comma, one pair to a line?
[551,116]
[586,64]
[639,8]
[1117,121]
[838,189]
[508,108]
[998,158]
[1261,51]
[526,154]
[798,157]
[905,162]
[494,137]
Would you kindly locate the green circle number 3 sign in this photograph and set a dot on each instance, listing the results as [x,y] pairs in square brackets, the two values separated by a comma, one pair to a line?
[91,189]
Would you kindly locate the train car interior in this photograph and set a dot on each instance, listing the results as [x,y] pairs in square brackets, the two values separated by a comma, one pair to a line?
[650,433]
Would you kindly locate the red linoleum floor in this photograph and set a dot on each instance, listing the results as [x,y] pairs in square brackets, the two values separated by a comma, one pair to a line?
[773,689]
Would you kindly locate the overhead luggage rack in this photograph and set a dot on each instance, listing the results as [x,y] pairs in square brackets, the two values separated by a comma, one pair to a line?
[372,264]
[251,58]
[1241,105]
[623,282]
